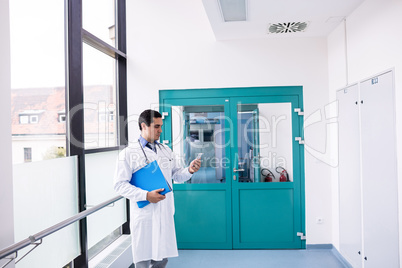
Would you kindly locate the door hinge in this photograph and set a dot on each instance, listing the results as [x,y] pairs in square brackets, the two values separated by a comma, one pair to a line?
[299,111]
[302,236]
[299,139]
[164,114]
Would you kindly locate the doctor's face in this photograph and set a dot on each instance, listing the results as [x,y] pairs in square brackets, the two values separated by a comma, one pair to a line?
[153,132]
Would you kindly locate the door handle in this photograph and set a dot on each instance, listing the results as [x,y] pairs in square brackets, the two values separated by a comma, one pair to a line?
[237,170]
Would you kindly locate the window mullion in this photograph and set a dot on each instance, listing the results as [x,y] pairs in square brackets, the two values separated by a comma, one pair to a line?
[75,115]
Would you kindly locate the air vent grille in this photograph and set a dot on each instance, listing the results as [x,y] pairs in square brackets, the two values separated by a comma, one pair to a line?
[288,27]
[115,254]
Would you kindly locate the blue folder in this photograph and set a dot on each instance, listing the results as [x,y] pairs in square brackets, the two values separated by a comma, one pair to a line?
[150,178]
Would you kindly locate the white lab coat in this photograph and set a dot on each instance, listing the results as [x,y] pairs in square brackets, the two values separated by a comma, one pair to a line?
[152,227]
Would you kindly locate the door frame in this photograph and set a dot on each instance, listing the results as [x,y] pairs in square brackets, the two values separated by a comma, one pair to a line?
[268,188]
[166,97]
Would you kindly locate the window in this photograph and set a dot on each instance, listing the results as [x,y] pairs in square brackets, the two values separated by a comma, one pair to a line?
[33,119]
[97,52]
[37,79]
[29,119]
[111,115]
[99,71]
[104,73]
[98,18]
[24,119]
[62,118]
[27,154]
[76,85]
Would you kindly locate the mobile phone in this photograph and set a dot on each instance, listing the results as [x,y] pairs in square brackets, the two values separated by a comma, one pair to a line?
[199,155]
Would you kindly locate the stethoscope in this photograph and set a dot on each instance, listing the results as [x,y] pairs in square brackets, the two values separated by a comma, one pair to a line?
[159,146]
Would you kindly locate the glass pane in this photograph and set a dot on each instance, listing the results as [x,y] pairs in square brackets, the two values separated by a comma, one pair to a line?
[98,18]
[265,142]
[103,244]
[201,129]
[45,193]
[99,99]
[99,172]
[37,80]
[111,217]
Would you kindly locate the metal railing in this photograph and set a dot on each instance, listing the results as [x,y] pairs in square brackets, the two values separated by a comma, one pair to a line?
[36,239]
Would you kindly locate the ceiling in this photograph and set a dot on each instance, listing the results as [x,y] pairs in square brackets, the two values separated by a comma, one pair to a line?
[322,16]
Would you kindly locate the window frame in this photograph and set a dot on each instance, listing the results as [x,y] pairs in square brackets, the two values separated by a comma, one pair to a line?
[76,36]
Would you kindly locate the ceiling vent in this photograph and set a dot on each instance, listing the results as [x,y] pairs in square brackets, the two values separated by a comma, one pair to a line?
[288,27]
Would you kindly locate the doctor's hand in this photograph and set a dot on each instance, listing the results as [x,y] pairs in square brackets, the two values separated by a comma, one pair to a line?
[194,166]
[155,196]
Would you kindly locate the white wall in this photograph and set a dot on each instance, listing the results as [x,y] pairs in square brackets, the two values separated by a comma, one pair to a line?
[39,146]
[6,179]
[170,45]
[337,79]
[373,46]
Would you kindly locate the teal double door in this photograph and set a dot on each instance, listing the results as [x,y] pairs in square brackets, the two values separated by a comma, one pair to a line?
[249,191]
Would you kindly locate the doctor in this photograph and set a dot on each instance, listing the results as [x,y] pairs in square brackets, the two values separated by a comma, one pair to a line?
[152,227]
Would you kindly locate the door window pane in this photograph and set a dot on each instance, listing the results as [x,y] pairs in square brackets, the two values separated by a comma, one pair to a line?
[201,129]
[264,142]
[100,124]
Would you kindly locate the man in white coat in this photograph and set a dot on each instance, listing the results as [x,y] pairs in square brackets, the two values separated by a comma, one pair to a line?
[152,227]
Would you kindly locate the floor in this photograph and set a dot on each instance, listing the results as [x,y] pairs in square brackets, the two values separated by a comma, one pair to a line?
[310,258]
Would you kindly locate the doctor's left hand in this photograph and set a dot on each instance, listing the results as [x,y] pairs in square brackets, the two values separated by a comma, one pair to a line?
[155,196]
[194,166]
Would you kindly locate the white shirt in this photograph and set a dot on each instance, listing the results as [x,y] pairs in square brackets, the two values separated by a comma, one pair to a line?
[152,227]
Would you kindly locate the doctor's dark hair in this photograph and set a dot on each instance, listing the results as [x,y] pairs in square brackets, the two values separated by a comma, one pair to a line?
[147,117]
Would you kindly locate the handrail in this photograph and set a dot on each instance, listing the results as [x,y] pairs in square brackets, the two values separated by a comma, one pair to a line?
[38,236]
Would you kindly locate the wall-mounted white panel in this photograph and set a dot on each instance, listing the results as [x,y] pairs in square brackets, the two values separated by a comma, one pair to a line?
[350,221]
[379,172]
